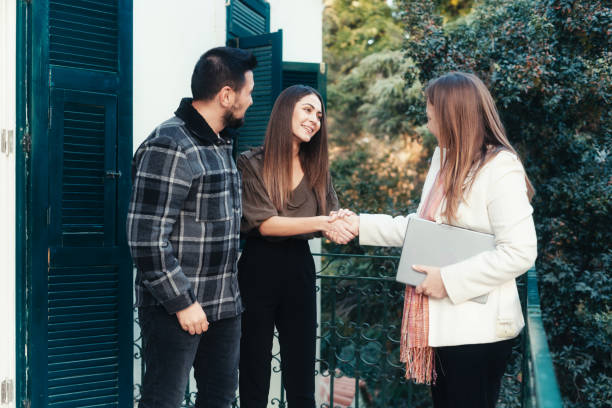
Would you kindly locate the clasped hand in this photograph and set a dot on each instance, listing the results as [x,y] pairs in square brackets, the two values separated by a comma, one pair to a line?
[433,285]
[343,226]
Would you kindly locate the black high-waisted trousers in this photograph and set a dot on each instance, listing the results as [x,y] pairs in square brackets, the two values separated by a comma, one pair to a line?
[277,284]
[469,376]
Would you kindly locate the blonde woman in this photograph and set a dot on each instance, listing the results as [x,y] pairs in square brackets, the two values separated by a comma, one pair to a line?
[476,181]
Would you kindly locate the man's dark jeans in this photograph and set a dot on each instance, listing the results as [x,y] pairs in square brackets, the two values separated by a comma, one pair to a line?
[169,353]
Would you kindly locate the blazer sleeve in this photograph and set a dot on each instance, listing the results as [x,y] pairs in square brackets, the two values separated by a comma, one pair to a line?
[383,230]
[510,217]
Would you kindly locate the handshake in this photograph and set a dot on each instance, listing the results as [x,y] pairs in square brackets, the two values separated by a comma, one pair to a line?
[342,226]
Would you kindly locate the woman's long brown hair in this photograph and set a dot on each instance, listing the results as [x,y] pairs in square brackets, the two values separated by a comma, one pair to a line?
[470,133]
[278,150]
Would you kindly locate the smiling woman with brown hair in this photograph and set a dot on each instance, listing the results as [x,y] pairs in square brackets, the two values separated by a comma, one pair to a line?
[287,196]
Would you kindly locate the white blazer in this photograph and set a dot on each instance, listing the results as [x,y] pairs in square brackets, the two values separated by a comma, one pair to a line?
[496,204]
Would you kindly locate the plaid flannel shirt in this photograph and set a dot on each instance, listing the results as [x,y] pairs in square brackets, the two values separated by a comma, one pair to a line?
[183,223]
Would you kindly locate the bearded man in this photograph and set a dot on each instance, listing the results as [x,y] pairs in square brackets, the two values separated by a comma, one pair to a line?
[183,230]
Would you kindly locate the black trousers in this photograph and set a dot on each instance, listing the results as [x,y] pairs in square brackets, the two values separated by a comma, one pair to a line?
[277,284]
[469,376]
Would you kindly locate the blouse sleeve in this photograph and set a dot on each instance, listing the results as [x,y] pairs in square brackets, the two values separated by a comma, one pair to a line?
[256,204]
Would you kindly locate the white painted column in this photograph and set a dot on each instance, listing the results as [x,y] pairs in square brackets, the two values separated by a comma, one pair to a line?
[7,201]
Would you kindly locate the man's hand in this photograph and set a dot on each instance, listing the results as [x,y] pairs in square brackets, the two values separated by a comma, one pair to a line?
[193,319]
[433,285]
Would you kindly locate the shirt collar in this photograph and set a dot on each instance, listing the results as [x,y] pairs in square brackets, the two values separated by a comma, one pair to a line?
[199,127]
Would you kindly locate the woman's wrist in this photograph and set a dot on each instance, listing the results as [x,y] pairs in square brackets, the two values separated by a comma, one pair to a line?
[323,223]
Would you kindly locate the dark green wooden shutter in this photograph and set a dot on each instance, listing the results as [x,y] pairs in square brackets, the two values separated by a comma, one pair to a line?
[84,34]
[268,81]
[303,73]
[247,17]
[81,346]
[84,127]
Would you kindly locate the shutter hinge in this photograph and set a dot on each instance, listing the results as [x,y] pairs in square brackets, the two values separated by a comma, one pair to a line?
[26,143]
[3,144]
[26,403]
[48,215]
[7,391]
[27,1]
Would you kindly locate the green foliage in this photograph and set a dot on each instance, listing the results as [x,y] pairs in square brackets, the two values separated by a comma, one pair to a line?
[451,9]
[369,107]
[373,98]
[548,65]
[353,29]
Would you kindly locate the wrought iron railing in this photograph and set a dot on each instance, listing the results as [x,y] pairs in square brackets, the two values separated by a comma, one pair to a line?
[358,343]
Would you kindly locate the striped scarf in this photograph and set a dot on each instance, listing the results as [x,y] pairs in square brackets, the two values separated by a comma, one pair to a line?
[414,343]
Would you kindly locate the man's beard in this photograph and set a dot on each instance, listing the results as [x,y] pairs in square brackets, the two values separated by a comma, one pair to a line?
[230,121]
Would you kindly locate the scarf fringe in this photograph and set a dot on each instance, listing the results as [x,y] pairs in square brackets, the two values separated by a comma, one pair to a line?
[414,348]
[419,365]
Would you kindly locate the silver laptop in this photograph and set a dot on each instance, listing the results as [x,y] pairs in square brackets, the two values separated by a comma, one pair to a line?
[429,243]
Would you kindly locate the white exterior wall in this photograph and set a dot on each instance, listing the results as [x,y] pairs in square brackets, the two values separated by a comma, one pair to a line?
[302,25]
[7,198]
[169,37]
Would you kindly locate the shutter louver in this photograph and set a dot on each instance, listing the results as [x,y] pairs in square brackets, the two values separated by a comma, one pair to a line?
[267,48]
[291,77]
[84,34]
[83,346]
[83,175]
[248,20]
[256,119]
[306,73]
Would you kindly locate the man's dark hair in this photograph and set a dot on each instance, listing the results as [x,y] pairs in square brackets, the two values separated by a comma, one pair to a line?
[219,67]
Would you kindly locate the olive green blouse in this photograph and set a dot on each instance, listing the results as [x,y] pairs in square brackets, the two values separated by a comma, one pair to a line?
[258,207]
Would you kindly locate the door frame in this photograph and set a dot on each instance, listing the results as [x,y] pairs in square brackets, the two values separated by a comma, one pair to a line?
[22,196]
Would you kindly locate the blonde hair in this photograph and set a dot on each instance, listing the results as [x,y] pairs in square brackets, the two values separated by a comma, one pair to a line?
[469,130]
